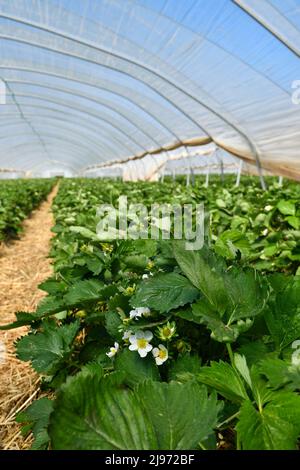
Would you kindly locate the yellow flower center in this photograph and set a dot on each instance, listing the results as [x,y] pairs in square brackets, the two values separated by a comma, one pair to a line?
[162,354]
[142,343]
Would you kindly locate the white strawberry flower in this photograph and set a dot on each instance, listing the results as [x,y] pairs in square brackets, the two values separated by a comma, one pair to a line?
[139,312]
[145,276]
[127,335]
[113,350]
[160,354]
[140,342]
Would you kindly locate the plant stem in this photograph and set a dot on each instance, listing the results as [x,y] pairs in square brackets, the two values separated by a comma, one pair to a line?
[235,415]
[238,443]
[230,353]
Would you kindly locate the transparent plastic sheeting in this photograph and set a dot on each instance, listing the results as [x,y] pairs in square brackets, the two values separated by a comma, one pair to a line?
[96,82]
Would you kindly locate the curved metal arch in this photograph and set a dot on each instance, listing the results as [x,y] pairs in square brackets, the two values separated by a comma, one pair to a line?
[86,97]
[98,87]
[132,62]
[252,145]
[94,142]
[76,108]
[31,146]
[63,139]
[76,137]
[42,143]
[96,116]
[209,40]
[102,148]
[53,110]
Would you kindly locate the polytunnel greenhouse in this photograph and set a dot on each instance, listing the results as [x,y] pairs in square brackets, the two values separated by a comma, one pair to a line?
[149,227]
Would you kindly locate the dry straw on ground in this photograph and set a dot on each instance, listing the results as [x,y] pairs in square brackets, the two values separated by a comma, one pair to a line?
[24,264]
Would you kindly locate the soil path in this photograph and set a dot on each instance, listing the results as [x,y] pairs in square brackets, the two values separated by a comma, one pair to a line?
[24,264]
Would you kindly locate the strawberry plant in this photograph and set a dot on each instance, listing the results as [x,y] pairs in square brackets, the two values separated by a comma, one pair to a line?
[146,345]
[17,199]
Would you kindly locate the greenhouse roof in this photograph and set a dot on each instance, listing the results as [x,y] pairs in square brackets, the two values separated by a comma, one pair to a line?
[95,82]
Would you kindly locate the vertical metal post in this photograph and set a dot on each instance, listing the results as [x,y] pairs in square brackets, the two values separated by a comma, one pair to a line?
[193,177]
[188,177]
[238,177]
[207,177]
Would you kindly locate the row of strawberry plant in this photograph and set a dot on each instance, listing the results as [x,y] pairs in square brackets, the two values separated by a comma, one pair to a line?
[149,346]
[17,199]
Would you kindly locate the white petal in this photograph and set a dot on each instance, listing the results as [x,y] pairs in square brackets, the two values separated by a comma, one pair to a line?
[148,335]
[148,347]
[139,334]
[110,354]
[133,347]
[155,352]
[142,352]
[158,361]
[132,339]
[117,346]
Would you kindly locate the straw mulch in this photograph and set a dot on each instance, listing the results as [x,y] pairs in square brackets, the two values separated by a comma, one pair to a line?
[24,264]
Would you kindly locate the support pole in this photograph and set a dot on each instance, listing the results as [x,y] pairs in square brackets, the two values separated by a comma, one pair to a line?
[280,180]
[207,177]
[188,177]
[192,177]
[238,177]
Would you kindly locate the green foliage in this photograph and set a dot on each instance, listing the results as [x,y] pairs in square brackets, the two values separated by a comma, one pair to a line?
[17,199]
[275,426]
[36,417]
[100,414]
[135,370]
[165,292]
[49,348]
[133,331]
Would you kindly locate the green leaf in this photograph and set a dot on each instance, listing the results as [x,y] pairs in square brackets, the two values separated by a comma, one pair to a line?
[247,292]
[53,287]
[102,414]
[164,292]
[222,377]
[84,232]
[275,427]
[182,414]
[37,418]
[219,330]
[283,316]
[184,368]
[293,221]
[23,318]
[136,369]
[138,262]
[280,373]
[254,351]
[94,264]
[84,291]
[48,349]
[205,271]
[49,305]
[241,365]
[112,324]
[286,207]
